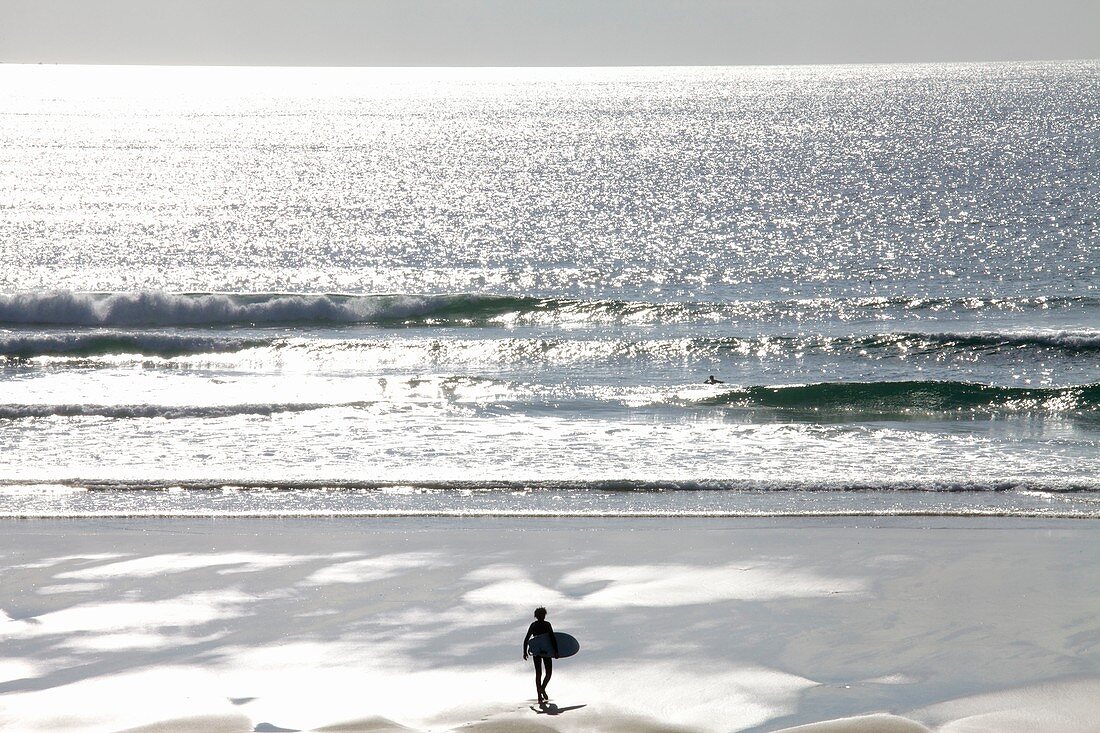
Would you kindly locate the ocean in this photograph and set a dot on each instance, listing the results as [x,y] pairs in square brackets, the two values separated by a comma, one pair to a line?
[298,292]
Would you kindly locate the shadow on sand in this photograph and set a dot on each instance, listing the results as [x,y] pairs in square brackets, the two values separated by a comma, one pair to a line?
[549,708]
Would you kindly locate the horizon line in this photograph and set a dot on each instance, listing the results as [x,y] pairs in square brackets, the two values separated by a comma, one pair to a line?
[142,64]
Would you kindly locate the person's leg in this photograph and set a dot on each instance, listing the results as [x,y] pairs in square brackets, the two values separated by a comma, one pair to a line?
[538,677]
[546,679]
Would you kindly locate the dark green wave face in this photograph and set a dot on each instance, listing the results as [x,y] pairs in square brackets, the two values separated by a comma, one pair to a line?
[912,397]
[86,345]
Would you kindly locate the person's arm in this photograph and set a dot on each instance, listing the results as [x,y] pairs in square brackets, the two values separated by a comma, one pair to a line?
[525,640]
[553,640]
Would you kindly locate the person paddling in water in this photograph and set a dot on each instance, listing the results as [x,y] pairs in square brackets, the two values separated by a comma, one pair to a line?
[539,627]
[712,380]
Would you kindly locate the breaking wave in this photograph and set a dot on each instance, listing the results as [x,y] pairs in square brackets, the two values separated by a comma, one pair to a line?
[162,309]
[153,309]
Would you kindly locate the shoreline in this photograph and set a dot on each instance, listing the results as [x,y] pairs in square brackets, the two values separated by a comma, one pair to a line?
[474,514]
[686,624]
[48,501]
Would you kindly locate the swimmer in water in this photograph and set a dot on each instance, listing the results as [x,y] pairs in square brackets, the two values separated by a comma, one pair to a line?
[712,380]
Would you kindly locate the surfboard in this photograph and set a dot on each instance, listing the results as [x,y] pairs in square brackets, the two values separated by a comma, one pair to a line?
[540,645]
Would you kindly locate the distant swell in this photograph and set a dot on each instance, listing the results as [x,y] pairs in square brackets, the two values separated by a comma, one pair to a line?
[169,412]
[909,397]
[618,486]
[100,344]
[88,345]
[162,309]
[1069,341]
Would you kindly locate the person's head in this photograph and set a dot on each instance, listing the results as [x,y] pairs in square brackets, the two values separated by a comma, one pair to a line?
[540,613]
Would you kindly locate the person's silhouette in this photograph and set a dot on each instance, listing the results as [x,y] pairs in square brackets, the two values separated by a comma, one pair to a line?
[538,627]
[712,380]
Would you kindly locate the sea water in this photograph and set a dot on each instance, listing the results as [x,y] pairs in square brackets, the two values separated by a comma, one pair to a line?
[364,291]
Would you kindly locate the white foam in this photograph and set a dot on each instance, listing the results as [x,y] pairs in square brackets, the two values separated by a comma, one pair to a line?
[168,412]
[155,308]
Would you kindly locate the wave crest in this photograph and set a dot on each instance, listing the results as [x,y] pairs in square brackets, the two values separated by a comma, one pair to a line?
[163,309]
[154,308]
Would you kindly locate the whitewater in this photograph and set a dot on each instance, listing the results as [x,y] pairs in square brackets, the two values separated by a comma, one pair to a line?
[501,292]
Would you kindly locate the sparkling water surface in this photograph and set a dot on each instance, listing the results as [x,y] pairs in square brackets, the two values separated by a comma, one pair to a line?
[371,291]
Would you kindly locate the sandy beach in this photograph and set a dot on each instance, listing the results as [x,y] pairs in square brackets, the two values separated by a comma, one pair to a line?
[704,625]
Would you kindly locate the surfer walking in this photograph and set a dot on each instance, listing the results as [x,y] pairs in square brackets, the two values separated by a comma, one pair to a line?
[539,627]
